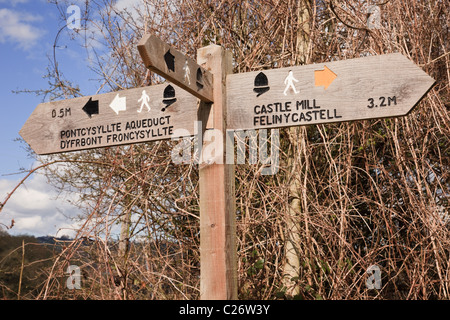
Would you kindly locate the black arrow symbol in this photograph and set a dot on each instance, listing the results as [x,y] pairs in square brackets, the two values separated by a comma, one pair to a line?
[91,107]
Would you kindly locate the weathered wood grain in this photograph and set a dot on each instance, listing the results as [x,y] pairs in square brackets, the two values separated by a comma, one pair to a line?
[218,264]
[152,51]
[63,126]
[394,83]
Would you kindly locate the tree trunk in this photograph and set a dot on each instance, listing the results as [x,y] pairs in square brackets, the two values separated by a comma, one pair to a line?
[124,246]
[291,270]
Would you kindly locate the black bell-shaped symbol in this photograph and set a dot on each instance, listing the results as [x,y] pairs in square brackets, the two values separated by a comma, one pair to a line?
[169,97]
[261,84]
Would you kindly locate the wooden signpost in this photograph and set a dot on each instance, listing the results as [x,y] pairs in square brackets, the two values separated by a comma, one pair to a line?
[116,118]
[355,89]
[218,249]
[176,67]
[365,88]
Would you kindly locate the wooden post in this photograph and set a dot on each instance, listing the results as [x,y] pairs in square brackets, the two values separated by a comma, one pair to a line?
[218,266]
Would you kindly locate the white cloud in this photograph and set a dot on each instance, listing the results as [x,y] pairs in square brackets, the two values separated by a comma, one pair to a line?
[128,4]
[16,27]
[36,208]
[32,222]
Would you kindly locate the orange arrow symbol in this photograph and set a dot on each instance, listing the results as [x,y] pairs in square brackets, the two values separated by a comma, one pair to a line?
[324,77]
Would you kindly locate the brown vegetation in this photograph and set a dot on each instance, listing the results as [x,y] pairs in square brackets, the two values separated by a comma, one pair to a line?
[364,193]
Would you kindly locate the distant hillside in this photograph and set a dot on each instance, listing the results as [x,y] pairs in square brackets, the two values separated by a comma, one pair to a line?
[52,240]
[30,254]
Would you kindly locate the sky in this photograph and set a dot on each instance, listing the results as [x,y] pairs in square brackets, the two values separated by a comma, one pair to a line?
[27,33]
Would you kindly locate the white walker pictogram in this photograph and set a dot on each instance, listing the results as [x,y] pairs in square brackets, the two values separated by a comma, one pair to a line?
[187,73]
[289,82]
[144,99]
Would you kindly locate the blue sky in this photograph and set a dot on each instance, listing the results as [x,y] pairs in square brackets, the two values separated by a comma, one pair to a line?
[28,29]
[27,32]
